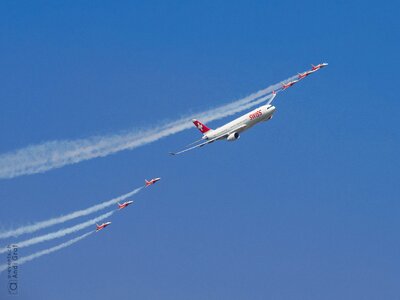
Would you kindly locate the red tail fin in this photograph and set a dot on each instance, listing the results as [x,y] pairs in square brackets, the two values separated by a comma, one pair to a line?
[200,126]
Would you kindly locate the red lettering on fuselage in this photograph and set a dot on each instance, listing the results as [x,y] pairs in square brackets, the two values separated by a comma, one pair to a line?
[256,115]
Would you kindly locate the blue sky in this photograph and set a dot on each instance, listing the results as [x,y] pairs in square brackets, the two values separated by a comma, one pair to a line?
[302,207]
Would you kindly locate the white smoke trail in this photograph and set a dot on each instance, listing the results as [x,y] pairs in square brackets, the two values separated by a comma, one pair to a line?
[80,213]
[47,251]
[55,154]
[59,233]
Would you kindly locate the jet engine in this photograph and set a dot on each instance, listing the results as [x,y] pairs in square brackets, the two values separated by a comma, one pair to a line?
[233,136]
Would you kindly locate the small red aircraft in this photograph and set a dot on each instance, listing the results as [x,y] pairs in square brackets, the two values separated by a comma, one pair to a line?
[305,74]
[102,226]
[319,66]
[125,204]
[152,181]
[289,84]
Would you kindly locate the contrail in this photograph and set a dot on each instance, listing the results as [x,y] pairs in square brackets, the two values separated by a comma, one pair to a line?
[56,154]
[47,251]
[79,213]
[59,233]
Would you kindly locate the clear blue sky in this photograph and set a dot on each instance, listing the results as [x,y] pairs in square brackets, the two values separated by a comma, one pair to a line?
[303,207]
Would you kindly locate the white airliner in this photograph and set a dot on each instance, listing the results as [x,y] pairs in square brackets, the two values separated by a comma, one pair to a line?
[231,131]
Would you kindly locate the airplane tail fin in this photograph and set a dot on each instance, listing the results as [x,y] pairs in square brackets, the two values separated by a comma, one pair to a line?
[147,182]
[200,126]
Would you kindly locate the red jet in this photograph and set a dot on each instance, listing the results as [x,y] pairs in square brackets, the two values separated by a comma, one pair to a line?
[289,84]
[125,204]
[305,74]
[102,226]
[152,181]
[319,66]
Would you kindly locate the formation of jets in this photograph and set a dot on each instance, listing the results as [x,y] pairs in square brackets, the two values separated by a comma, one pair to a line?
[232,130]
[313,69]
[303,75]
[125,204]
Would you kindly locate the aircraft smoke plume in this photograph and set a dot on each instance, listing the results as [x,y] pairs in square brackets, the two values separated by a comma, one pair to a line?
[60,233]
[56,154]
[47,251]
[64,218]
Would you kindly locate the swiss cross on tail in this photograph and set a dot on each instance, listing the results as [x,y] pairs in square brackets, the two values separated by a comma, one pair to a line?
[200,126]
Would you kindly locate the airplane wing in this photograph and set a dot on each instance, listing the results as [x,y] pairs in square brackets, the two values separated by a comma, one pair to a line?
[209,141]
[196,146]
[272,98]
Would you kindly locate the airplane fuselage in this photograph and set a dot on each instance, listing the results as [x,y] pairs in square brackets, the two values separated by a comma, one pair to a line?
[102,226]
[262,113]
[152,181]
[125,204]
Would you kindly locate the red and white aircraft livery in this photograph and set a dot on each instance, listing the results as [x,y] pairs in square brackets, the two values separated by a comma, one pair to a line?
[232,130]
[304,75]
[125,204]
[317,67]
[102,226]
[289,84]
[152,181]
